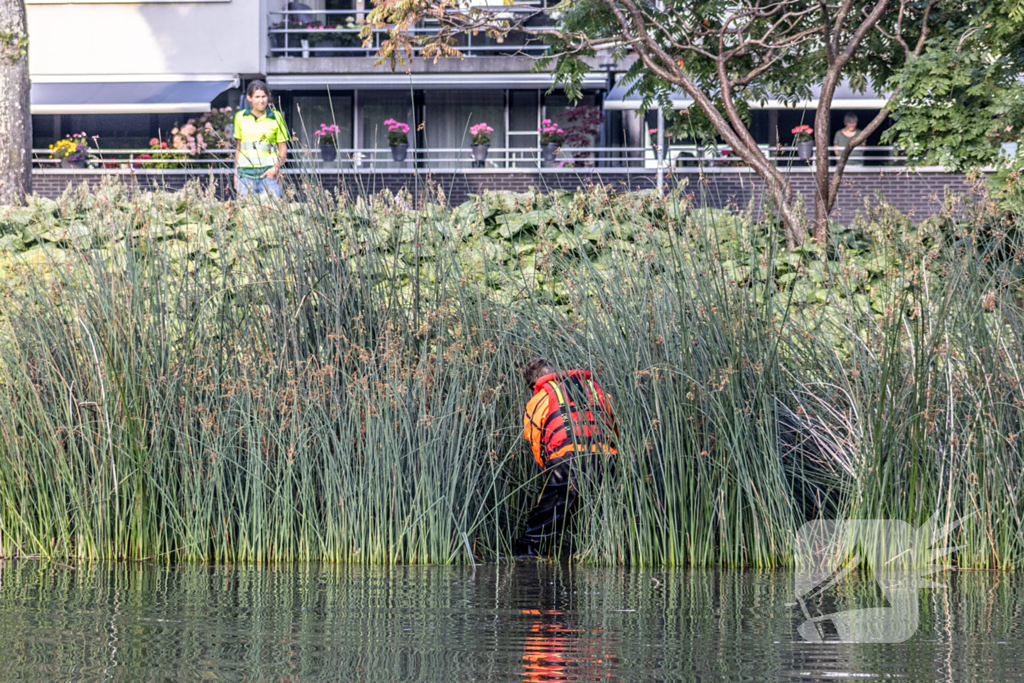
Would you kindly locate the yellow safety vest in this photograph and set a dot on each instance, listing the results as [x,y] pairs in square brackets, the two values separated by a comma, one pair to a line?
[259,137]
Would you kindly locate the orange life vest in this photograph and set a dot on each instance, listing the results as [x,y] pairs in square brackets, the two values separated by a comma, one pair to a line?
[575,400]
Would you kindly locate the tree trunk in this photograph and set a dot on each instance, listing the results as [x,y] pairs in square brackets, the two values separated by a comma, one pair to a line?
[822,207]
[15,112]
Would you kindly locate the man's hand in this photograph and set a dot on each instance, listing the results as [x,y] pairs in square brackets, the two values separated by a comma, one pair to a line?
[271,172]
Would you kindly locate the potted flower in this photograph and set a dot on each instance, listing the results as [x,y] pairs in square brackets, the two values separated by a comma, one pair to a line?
[803,141]
[481,142]
[72,151]
[653,132]
[159,160]
[730,158]
[348,35]
[223,122]
[551,138]
[398,138]
[327,137]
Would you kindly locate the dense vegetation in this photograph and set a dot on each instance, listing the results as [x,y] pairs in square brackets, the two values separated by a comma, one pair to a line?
[186,379]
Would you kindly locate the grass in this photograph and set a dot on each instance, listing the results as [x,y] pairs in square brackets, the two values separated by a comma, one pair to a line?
[336,380]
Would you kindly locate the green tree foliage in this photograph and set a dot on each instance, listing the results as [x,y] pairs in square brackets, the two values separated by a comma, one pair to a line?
[963,97]
[728,54]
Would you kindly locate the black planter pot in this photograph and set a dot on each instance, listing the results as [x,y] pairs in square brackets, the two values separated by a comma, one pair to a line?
[69,163]
[548,151]
[398,152]
[480,154]
[805,150]
[325,48]
[328,152]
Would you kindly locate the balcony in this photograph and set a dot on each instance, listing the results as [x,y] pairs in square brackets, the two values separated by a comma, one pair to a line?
[315,34]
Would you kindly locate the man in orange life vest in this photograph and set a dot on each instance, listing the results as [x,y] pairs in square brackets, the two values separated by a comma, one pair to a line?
[568,416]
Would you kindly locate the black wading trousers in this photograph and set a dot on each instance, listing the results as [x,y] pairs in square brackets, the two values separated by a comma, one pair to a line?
[551,517]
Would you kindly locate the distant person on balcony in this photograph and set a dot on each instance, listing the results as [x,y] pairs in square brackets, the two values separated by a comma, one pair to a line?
[843,137]
[300,18]
[262,144]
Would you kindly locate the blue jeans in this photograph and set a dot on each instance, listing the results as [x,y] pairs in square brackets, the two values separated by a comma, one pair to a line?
[259,186]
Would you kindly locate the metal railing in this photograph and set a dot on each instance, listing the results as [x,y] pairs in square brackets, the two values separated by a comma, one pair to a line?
[97,159]
[335,33]
[680,157]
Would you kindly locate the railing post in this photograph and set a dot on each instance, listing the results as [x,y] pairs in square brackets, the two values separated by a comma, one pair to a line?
[661,151]
[287,32]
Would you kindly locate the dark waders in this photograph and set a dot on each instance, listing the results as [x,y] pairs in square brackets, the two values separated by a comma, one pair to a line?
[551,517]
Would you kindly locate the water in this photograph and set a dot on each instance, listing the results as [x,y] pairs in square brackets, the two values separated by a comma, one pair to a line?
[528,622]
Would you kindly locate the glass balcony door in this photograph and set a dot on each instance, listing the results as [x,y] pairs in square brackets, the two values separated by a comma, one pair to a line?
[523,121]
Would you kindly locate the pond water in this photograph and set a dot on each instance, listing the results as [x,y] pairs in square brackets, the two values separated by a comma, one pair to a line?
[532,621]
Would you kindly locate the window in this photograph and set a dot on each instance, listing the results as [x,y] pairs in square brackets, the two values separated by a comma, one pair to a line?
[523,119]
[309,111]
[448,117]
[377,107]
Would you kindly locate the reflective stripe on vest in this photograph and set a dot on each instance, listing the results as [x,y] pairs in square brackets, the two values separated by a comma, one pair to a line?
[586,435]
[257,146]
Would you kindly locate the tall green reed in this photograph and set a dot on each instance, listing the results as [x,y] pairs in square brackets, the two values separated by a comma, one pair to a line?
[337,380]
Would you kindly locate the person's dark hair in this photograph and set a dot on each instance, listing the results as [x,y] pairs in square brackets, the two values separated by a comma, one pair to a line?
[850,119]
[534,369]
[253,86]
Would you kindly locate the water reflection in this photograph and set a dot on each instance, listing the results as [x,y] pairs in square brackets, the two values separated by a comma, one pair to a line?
[528,622]
[558,646]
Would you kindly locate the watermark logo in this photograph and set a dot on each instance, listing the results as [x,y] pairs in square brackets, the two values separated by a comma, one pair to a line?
[883,563]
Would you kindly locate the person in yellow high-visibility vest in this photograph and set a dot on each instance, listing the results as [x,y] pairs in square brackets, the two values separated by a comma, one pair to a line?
[262,144]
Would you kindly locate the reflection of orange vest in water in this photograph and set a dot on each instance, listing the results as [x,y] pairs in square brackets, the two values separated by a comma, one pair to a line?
[569,413]
[553,652]
[544,654]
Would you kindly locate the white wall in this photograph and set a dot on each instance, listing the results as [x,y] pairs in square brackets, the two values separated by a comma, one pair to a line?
[147,37]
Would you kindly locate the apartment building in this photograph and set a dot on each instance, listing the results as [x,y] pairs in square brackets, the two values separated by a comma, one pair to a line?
[129,71]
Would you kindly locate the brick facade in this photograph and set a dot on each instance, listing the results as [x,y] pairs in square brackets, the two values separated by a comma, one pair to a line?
[918,194]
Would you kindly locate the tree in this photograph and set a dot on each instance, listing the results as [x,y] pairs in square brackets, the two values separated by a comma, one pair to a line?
[725,54]
[963,98]
[15,105]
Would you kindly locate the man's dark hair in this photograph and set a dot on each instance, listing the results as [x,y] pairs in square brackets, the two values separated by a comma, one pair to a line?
[850,118]
[536,368]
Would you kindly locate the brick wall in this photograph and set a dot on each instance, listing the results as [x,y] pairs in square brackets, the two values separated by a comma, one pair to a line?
[53,183]
[919,194]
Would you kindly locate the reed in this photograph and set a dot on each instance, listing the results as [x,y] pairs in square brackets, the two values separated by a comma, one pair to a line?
[337,380]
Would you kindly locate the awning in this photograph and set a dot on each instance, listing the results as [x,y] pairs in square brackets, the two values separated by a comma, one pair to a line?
[145,97]
[426,81]
[843,98]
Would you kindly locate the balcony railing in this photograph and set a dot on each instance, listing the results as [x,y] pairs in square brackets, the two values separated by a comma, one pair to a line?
[335,33]
[679,157]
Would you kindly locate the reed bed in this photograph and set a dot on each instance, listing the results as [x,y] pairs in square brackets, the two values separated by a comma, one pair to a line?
[337,380]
